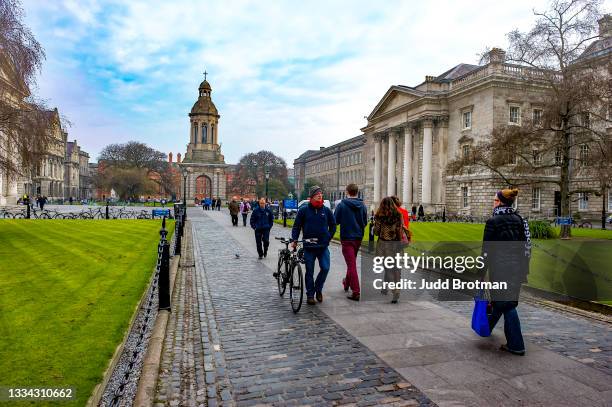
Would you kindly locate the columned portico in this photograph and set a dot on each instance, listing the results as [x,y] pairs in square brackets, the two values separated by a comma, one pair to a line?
[391,164]
[407,168]
[427,162]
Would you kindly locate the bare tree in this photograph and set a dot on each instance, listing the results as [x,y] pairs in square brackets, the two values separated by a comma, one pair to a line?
[250,172]
[24,120]
[554,55]
[150,163]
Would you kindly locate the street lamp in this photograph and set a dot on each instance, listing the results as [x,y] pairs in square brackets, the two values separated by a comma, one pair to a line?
[267,179]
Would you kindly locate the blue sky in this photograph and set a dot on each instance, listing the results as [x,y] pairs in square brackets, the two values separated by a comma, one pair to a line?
[286,76]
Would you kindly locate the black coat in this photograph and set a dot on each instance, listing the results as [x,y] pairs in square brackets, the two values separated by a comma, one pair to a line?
[507,257]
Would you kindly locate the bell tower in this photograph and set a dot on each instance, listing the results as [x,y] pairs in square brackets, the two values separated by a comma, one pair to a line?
[204,144]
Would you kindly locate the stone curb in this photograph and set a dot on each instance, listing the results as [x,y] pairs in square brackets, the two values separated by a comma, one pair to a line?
[145,393]
[96,395]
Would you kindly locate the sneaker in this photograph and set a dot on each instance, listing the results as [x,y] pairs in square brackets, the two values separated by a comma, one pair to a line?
[260,257]
[514,352]
[311,301]
[320,297]
[354,297]
[275,275]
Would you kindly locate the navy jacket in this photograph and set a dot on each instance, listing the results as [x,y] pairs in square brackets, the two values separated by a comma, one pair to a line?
[314,223]
[262,218]
[352,216]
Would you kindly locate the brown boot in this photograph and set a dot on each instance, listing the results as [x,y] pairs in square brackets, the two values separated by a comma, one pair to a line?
[311,301]
[320,297]
[354,297]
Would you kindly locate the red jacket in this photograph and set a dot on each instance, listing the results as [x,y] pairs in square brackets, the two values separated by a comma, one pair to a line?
[405,216]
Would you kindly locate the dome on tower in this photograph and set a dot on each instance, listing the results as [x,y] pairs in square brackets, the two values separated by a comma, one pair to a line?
[204,104]
[205,86]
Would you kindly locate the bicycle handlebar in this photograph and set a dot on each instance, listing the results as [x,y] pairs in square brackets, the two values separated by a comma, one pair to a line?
[284,240]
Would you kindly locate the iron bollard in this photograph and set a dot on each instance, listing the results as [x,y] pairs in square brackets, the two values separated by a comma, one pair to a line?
[284,218]
[28,210]
[107,217]
[177,239]
[163,280]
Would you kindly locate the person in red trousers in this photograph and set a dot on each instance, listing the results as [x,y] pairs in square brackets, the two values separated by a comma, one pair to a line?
[352,216]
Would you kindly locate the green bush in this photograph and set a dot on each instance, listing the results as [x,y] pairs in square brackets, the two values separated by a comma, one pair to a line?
[541,229]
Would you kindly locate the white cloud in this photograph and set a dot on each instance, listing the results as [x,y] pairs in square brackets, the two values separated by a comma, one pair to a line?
[287,76]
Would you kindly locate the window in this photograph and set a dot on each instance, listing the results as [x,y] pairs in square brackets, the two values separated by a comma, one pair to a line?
[535,198]
[584,154]
[515,115]
[512,159]
[537,157]
[465,197]
[585,120]
[465,151]
[467,120]
[558,157]
[583,201]
[195,132]
[537,117]
[204,133]
[212,133]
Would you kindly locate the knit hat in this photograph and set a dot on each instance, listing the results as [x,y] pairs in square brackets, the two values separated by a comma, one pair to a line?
[507,196]
[314,189]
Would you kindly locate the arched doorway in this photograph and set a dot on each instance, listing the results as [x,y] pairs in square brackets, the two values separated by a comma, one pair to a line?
[203,187]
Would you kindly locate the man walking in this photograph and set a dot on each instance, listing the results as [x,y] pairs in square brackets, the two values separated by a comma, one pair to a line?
[352,216]
[244,211]
[234,209]
[218,204]
[262,221]
[315,221]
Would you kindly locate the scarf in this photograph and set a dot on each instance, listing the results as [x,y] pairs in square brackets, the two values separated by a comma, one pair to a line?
[316,204]
[507,210]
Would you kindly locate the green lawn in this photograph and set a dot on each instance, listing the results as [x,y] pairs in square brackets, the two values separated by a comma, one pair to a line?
[67,293]
[578,267]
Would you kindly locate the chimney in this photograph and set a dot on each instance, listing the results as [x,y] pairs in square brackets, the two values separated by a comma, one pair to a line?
[178,158]
[497,55]
[321,148]
[605,26]
[429,78]
[170,158]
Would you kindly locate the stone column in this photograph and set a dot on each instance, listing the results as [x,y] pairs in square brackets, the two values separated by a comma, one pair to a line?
[377,168]
[407,173]
[391,164]
[427,159]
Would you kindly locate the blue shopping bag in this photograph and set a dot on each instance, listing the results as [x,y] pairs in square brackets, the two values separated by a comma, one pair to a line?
[480,321]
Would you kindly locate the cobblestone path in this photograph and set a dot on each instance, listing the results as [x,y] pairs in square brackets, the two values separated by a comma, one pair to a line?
[232,341]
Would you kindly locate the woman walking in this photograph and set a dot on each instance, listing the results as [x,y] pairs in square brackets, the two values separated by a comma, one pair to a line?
[507,246]
[389,226]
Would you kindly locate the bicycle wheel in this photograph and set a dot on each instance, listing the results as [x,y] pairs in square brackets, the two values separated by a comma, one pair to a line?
[280,274]
[296,288]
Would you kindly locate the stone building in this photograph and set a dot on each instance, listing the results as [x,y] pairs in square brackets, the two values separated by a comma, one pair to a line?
[204,162]
[72,165]
[333,167]
[413,132]
[48,179]
[85,189]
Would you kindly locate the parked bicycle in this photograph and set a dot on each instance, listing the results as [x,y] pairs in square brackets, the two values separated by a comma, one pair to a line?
[289,271]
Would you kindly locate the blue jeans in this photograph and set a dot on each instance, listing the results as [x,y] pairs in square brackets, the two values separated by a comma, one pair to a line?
[512,325]
[310,255]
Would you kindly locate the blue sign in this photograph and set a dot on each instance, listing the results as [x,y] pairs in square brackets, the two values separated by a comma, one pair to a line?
[564,221]
[161,212]
[290,203]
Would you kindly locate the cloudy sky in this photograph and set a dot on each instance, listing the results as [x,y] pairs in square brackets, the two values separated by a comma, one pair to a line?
[286,76]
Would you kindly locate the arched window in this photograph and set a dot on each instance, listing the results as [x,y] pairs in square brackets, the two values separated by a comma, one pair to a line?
[212,133]
[204,133]
[195,132]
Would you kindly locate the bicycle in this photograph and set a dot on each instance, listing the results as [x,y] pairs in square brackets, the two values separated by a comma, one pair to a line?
[289,271]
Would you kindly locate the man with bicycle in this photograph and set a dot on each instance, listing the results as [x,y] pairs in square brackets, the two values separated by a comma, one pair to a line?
[315,221]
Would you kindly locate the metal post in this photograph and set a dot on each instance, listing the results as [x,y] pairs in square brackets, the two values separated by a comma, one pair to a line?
[107,211]
[163,281]
[284,218]
[28,208]
[371,234]
[177,237]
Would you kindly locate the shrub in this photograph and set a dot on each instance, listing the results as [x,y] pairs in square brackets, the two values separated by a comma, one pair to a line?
[541,229]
